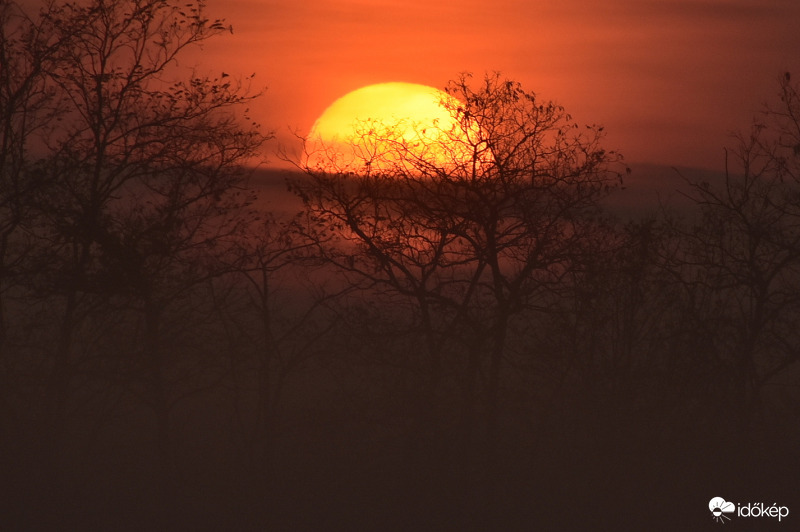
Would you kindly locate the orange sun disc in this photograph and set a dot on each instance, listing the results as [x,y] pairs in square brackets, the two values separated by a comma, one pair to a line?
[388,126]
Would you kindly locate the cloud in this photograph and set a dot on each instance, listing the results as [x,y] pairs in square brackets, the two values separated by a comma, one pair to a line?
[721,504]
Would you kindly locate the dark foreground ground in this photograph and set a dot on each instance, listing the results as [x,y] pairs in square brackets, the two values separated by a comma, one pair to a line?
[335,469]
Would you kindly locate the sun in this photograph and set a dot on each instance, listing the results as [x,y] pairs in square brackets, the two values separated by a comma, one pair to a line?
[388,126]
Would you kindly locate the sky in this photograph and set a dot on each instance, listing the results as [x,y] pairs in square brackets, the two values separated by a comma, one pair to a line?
[670,80]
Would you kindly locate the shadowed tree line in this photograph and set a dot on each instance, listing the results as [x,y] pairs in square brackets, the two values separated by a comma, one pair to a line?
[470,341]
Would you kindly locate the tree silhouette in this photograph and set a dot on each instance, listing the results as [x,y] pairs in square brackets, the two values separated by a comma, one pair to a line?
[475,231]
[274,268]
[28,107]
[140,195]
[744,255]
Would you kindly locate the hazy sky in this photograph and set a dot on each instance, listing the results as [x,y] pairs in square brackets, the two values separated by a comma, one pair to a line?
[670,79]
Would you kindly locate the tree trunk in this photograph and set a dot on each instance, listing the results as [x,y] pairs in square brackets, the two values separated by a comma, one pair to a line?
[490,457]
[160,403]
[61,371]
[265,380]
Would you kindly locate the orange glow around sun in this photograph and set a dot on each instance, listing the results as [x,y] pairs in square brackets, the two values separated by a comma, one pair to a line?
[388,126]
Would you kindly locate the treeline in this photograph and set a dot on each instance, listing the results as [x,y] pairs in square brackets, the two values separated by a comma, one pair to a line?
[465,340]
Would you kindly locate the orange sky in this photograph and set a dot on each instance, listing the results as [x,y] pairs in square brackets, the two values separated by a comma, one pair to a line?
[670,79]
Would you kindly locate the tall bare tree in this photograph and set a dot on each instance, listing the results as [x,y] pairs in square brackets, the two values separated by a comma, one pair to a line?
[475,230]
[290,304]
[742,261]
[144,183]
[28,108]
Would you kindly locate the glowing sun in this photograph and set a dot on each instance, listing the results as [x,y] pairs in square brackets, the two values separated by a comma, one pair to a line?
[384,126]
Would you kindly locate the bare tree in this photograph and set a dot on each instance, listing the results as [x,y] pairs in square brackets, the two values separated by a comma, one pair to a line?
[291,305]
[145,180]
[475,230]
[28,108]
[742,261]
